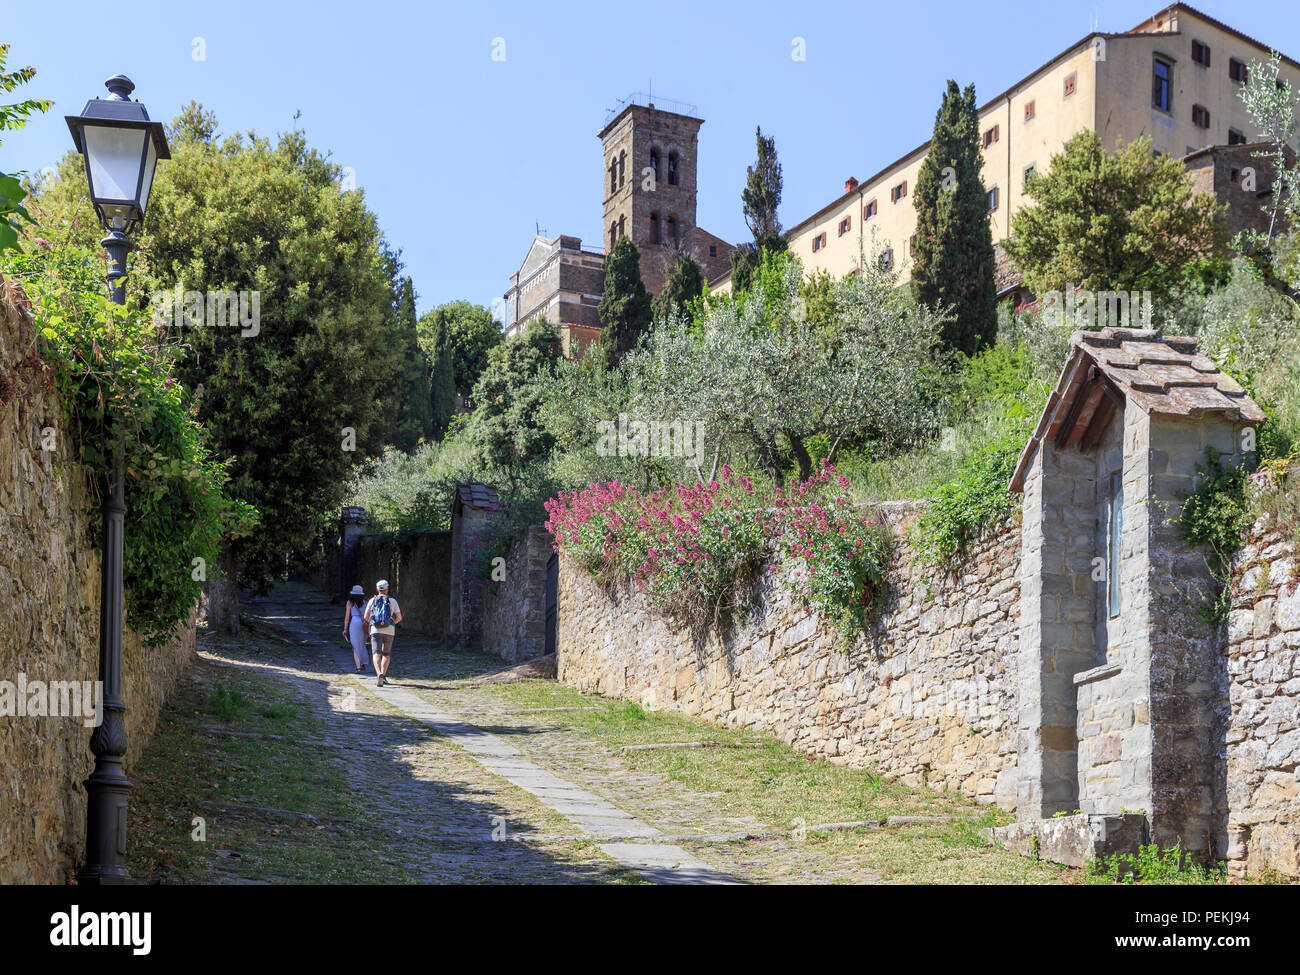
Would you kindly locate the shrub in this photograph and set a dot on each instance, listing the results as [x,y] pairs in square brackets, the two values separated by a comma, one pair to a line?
[119,395]
[694,550]
[834,553]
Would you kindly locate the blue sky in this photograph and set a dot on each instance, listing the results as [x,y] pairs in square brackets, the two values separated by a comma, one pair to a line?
[461,155]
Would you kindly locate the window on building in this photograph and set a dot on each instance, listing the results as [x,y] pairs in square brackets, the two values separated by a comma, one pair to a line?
[1234,175]
[845,225]
[1237,70]
[1236,138]
[870,210]
[672,169]
[993,198]
[622,226]
[713,250]
[655,237]
[622,168]
[1115,537]
[817,242]
[898,192]
[990,136]
[613,235]
[1029,171]
[1201,53]
[654,163]
[1029,110]
[1200,116]
[672,228]
[1070,80]
[1162,92]
[613,175]
[886,259]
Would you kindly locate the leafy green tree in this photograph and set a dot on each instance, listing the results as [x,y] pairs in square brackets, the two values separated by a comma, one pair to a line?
[953,261]
[1274,107]
[764,377]
[415,409]
[471,333]
[624,309]
[1115,222]
[14,116]
[683,284]
[760,199]
[506,427]
[309,381]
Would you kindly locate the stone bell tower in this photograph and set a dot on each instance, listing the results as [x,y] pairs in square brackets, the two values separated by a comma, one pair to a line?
[649,183]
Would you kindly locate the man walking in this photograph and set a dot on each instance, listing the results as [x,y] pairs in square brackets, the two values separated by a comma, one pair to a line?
[382,612]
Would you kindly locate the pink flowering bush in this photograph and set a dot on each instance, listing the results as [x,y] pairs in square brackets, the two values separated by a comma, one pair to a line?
[834,553]
[694,550]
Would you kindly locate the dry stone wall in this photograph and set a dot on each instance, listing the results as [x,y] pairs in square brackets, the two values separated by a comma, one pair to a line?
[928,696]
[49,624]
[1262,752]
[514,606]
[418,570]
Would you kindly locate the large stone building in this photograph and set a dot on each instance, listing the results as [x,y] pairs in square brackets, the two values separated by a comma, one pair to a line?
[649,193]
[1174,78]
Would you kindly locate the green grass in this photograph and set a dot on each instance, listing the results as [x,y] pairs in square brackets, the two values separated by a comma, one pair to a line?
[187,773]
[781,787]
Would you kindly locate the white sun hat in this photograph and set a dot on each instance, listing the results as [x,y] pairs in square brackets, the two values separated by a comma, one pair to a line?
[381,584]
[358,591]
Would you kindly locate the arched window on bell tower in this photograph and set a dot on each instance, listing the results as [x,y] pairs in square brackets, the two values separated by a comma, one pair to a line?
[672,169]
[622,167]
[622,226]
[672,228]
[613,235]
[655,237]
[613,175]
[654,164]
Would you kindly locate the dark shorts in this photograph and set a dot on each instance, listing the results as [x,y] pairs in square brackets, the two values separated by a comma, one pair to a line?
[381,644]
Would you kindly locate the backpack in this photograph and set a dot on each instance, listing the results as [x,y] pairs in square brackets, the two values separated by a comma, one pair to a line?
[380,612]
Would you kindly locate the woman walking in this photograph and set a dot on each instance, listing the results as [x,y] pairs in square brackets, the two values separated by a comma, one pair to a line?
[355,628]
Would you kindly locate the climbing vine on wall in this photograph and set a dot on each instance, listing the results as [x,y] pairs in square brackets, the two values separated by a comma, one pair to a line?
[115,383]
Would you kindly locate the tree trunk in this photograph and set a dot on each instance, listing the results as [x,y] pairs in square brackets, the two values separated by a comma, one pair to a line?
[223,594]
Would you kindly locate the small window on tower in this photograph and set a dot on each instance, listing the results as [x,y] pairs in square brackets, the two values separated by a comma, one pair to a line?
[713,250]
[672,169]
[654,163]
[654,229]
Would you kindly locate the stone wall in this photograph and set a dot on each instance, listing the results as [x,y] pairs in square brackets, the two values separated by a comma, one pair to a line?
[418,570]
[930,696]
[49,624]
[514,607]
[1262,753]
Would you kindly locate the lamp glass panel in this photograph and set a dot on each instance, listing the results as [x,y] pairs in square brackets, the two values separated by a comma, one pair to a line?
[113,156]
[150,162]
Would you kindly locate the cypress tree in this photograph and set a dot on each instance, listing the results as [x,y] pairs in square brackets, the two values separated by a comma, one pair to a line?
[413,420]
[624,308]
[759,199]
[685,281]
[953,262]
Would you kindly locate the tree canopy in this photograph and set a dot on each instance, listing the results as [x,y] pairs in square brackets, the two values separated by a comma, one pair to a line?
[294,400]
[1121,221]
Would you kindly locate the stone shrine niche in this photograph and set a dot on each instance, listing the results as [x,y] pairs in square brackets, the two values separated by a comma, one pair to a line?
[1116,670]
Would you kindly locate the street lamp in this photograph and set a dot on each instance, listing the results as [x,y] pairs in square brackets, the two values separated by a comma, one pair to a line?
[121,147]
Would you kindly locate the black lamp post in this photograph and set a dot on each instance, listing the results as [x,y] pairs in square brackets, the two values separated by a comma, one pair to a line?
[121,147]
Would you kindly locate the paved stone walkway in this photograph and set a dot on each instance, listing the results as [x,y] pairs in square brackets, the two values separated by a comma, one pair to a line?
[621,836]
